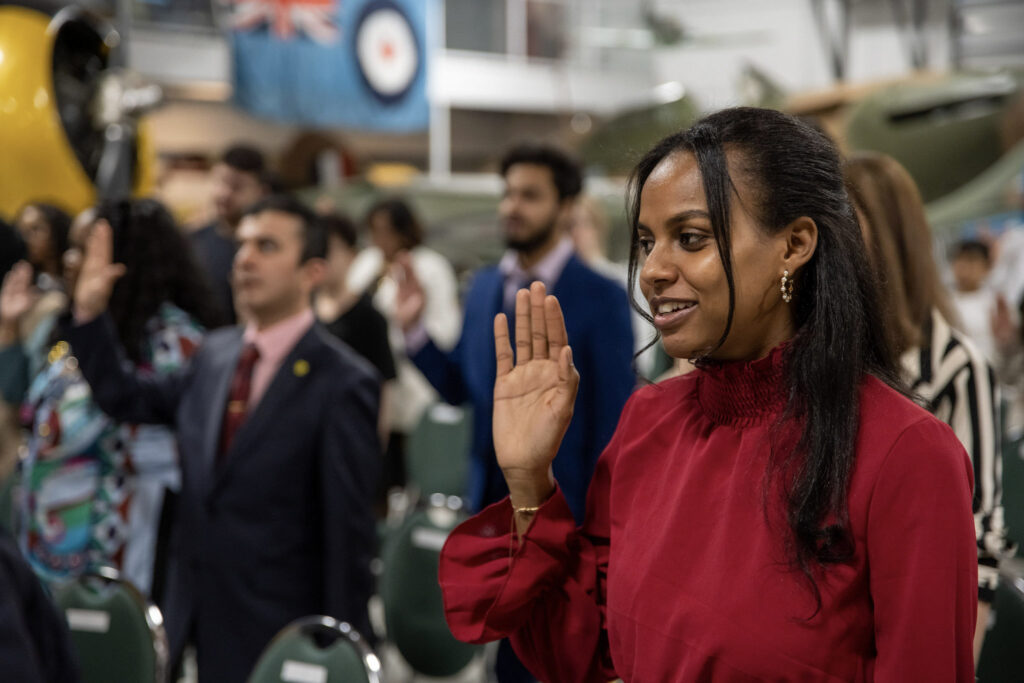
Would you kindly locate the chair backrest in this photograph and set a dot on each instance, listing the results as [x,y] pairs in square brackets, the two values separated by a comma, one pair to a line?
[1013,490]
[117,634]
[437,453]
[1002,657]
[317,649]
[413,607]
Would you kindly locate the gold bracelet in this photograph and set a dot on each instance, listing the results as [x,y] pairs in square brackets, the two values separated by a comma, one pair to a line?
[526,510]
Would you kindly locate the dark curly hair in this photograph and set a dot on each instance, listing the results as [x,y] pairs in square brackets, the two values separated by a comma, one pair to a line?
[160,268]
[565,171]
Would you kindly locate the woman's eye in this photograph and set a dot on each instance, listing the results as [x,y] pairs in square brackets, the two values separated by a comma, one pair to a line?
[646,246]
[692,240]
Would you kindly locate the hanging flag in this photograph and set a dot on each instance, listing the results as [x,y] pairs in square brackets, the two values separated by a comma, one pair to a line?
[329,63]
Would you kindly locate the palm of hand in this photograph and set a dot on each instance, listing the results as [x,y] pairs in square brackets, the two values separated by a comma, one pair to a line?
[17,295]
[98,274]
[535,388]
[410,299]
[409,305]
[532,409]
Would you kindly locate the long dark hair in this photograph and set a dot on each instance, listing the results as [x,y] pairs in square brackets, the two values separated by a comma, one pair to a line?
[792,170]
[160,268]
[901,240]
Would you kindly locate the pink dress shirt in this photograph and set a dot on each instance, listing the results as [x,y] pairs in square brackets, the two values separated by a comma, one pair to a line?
[274,343]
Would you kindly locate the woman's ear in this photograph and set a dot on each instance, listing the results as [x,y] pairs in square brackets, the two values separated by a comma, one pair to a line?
[801,238]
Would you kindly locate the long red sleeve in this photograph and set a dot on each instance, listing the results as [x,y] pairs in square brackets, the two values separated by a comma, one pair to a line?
[920,538]
[683,572]
[545,590]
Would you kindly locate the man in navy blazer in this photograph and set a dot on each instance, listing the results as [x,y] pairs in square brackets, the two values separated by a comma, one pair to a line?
[541,184]
[274,519]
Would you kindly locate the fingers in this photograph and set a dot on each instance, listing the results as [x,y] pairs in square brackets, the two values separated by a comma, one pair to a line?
[566,370]
[555,325]
[538,329]
[115,271]
[99,254]
[502,348]
[99,247]
[406,273]
[524,349]
[19,277]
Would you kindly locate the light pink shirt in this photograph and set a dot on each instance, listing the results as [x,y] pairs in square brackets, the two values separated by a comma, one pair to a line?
[274,343]
[547,270]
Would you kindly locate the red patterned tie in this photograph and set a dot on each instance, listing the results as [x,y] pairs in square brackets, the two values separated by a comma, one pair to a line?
[238,399]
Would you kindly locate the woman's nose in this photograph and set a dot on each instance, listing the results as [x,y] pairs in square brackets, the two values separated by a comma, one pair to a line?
[657,267]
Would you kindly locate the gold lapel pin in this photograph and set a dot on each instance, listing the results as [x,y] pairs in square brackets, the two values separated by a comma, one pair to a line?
[301,368]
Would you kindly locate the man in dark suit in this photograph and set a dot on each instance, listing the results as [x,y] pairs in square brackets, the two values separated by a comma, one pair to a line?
[277,431]
[541,184]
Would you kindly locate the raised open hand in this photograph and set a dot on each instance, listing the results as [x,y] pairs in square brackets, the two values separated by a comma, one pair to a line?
[98,274]
[534,394]
[1004,331]
[410,300]
[17,296]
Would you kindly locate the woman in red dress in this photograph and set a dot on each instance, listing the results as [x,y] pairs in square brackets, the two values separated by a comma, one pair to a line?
[781,513]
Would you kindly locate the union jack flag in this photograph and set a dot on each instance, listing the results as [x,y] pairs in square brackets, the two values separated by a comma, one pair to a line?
[314,18]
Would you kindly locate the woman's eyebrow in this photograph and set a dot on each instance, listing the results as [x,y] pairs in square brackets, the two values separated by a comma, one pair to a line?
[684,216]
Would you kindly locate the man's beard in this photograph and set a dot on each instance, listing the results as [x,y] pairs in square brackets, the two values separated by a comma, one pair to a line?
[530,243]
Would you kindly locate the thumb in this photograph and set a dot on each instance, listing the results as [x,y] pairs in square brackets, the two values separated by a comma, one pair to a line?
[116,271]
[565,365]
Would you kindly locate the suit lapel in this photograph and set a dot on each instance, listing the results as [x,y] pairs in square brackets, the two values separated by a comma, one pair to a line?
[289,378]
[220,384]
[566,279]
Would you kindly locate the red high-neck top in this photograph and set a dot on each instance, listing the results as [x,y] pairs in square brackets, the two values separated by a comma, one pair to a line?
[680,571]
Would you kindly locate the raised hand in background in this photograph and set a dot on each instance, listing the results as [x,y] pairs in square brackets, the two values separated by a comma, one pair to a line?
[17,297]
[411,300]
[98,274]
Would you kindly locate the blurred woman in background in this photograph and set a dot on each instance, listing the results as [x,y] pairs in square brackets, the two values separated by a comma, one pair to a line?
[396,237]
[945,371]
[92,489]
[350,316]
[44,229]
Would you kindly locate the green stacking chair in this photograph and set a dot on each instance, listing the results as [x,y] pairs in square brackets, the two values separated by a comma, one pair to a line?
[118,635]
[1013,493]
[437,453]
[413,609]
[319,649]
[1002,657]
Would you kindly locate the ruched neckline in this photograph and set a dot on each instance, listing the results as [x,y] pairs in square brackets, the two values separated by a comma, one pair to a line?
[743,392]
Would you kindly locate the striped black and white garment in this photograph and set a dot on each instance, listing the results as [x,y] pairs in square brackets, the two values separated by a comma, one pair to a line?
[951,378]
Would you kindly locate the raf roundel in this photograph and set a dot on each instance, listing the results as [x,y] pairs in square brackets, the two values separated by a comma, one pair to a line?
[387,50]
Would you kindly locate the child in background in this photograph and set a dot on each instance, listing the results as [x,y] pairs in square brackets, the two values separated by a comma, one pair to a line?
[974,300]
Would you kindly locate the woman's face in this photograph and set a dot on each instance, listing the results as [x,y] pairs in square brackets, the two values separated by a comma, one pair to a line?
[682,276]
[339,260]
[38,239]
[383,235]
